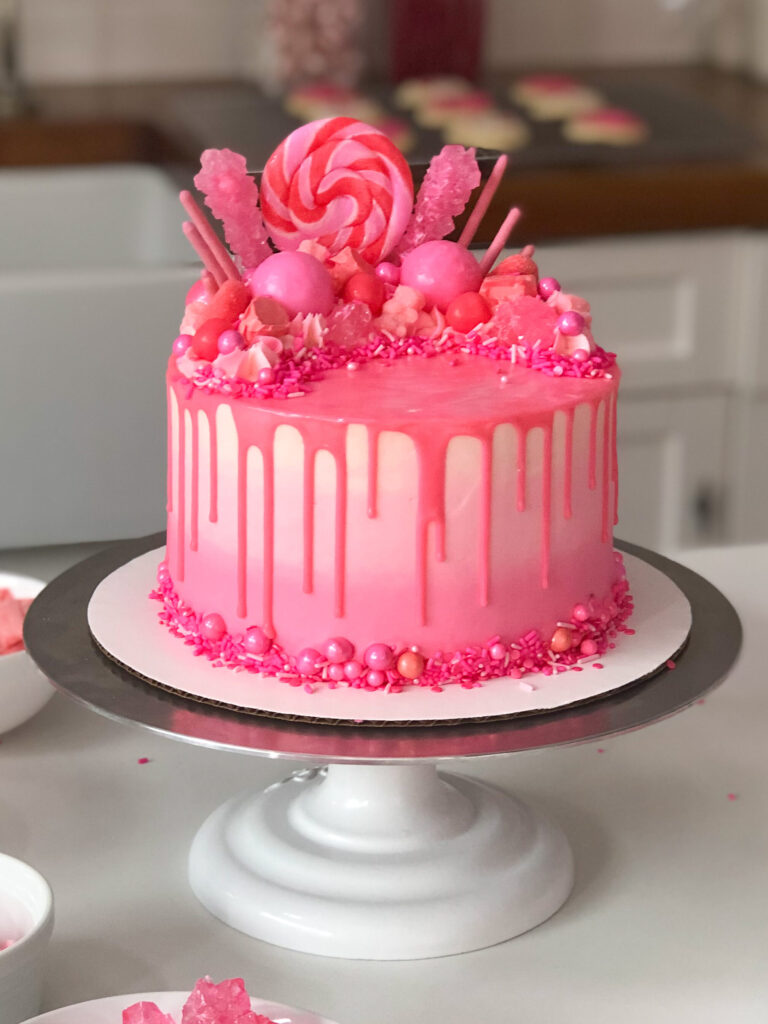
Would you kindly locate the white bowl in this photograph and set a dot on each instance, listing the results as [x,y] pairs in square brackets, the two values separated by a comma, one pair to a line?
[26,918]
[24,690]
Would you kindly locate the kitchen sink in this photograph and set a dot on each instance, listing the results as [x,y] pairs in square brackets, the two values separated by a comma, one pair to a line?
[93,273]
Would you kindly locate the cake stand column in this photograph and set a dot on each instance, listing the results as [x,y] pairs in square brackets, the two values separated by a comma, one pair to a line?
[380,862]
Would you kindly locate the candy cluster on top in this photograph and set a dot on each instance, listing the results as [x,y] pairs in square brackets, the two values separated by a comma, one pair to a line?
[208,1003]
[362,271]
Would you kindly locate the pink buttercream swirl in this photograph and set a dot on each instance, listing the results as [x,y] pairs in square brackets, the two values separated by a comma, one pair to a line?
[592,631]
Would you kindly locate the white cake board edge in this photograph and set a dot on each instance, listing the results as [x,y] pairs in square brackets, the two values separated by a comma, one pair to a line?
[124,623]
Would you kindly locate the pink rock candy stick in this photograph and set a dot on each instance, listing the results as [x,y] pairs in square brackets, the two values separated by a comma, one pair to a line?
[232,195]
[448,183]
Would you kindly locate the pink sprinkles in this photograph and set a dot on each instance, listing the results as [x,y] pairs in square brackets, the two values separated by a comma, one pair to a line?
[294,374]
[468,668]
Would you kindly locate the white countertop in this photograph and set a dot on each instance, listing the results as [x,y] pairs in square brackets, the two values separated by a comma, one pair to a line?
[668,921]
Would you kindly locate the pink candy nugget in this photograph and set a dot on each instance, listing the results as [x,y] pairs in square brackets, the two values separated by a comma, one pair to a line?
[225,1003]
[12,612]
[145,1013]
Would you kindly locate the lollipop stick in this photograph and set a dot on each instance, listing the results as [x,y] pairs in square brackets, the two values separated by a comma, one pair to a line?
[500,240]
[483,201]
[209,236]
[195,239]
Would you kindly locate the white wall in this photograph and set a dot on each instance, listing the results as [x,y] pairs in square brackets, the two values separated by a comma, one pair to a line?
[118,40]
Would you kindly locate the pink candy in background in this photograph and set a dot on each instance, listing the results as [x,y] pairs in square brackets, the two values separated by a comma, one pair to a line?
[12,612]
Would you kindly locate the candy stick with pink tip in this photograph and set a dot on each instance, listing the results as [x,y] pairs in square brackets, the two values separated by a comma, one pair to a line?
[500,240]
[483,201]
[528,251]
[209,236]
[212,268]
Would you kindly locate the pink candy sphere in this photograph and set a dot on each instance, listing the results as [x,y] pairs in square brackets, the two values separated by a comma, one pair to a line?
[297,280]
[213,626]
[267,375]
[441,270]
[309,661]
[548,286]
[353,670]
[338,650]
[571,323]
[230,341]
[388,273]
[380,657]
[256,640]
[182,344]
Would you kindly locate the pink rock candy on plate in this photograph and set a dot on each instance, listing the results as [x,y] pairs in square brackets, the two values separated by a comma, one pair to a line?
[208,1003]
[225,1003]
[12,612]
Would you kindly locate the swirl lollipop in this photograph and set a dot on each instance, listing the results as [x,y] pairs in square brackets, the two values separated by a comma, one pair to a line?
[338,182]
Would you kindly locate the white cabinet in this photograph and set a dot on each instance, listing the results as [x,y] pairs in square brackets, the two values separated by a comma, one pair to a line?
[688,317]
[666,304]
[672,471]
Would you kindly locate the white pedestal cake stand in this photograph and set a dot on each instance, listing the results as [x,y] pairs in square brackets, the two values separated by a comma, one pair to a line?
[377,855]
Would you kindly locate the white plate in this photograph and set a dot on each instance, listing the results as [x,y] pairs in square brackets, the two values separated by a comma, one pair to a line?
[124,622]
[110,1010]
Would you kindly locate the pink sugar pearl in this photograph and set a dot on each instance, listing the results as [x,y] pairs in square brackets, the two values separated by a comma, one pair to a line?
[497,652]
[441,270]
[213,626]
[580,612]
[230,341]
[336,673]
[267,375]
[375,678]
[339,649]
[388,273]
[182,344]
[297,280]
[308,661]
[353,670]
[379,656]
[571,323]
[256,640]
[588,647]
[548,286]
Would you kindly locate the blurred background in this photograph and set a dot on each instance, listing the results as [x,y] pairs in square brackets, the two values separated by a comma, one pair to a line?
[657,212]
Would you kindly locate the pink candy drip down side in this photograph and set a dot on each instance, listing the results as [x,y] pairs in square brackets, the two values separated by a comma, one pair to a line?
[590,634]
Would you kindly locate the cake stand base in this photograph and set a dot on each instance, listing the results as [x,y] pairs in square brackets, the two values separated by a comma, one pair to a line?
[393,862]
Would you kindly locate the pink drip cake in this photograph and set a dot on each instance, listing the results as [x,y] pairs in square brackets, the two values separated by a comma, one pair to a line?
[391,461]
